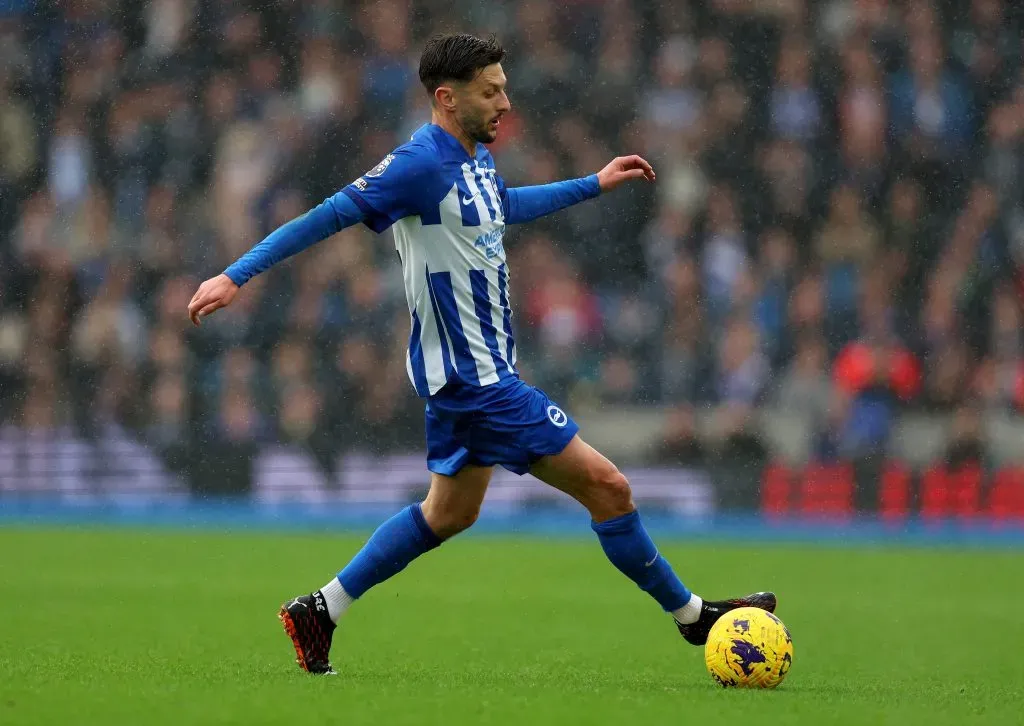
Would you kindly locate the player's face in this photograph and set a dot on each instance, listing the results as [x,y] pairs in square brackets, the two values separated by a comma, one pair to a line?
[481,103]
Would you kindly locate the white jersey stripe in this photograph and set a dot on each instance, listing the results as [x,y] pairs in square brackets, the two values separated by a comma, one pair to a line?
[488,183]
[478,196]
[431,344]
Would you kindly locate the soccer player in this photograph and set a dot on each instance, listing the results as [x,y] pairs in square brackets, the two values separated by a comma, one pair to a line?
[448,207]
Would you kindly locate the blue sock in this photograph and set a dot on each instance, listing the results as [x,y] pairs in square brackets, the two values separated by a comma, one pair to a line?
[630,548]
[395,544]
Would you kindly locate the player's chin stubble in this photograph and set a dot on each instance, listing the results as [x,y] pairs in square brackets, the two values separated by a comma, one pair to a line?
[484,136]
[480,130]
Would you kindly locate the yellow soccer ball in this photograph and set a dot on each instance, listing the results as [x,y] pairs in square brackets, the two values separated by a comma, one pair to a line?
[748,648]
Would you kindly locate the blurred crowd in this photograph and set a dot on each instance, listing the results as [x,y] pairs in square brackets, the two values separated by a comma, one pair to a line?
[837,228]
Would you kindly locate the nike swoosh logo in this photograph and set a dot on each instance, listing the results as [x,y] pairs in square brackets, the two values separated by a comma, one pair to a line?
[469,200]
[648,564]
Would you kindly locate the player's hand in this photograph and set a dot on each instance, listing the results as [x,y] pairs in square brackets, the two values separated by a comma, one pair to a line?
[214,294]
[624,168]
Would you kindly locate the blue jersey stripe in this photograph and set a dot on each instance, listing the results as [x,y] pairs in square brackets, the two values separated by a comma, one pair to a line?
[506,310]
[419,366]
[442,336]
[441,286]
[482,301]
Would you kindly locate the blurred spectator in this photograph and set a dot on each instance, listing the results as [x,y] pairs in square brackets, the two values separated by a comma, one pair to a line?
[786,179]
[680,443]
[932,114]
[874,374]
[988,48]
[724,253]
[805,387]
[777,266]
[862,111]
[168,427]
[846,245]
[567,322]
[965,447]
[685,362]
[796,112]
[742,368]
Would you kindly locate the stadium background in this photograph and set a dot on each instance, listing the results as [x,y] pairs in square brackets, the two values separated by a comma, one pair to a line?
[817,310]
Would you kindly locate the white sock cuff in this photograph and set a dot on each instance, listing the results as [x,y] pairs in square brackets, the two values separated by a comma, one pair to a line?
[689,612]
[337,599]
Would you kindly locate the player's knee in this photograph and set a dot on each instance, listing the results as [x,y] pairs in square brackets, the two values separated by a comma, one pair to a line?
[451,521]
[612,495]
[620,496]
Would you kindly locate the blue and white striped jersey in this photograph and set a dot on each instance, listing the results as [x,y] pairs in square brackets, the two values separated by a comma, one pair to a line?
[448,218]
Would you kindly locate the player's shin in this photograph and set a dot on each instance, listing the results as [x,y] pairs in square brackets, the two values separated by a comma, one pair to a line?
[626,543]
[395,544]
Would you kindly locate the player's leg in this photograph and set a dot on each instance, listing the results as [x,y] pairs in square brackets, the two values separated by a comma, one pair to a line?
[595,482]
[451,506]
[591,479]
[453,503]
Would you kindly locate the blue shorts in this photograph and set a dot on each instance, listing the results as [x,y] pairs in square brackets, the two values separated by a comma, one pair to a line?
[511,424]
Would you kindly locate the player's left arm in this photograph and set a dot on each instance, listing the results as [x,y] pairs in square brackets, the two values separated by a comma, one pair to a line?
[523,204]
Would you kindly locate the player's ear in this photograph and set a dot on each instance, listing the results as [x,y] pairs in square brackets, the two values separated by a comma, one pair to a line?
[444,97]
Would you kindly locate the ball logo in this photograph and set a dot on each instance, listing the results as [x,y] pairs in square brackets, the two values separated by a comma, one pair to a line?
[557,416]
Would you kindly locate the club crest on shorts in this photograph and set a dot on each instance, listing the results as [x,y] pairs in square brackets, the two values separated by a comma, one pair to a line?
[557,416]
[381,167]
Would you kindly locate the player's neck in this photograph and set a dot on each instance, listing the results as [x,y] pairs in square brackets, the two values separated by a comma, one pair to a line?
[452,127]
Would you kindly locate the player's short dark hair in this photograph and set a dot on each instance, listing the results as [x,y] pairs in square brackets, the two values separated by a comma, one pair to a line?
[457,57]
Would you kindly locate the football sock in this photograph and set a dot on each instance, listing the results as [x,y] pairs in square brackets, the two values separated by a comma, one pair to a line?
[690,612]
[395,544]
[630,549]
[336,598]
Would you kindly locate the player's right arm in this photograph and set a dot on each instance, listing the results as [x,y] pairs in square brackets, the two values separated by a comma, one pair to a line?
[327,218]
[391,190]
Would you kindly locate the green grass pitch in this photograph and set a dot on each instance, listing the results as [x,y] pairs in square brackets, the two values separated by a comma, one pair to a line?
[134,627]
